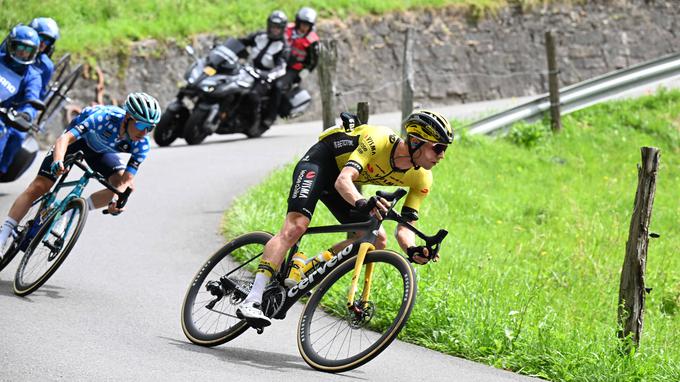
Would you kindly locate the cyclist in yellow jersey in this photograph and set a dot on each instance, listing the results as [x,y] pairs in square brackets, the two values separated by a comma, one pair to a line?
[329,171]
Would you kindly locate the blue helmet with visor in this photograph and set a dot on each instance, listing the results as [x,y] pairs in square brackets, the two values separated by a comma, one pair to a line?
[22,44]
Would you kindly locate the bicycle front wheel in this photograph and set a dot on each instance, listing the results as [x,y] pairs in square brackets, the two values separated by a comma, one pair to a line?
[335,338]
[48,250]
[209,309]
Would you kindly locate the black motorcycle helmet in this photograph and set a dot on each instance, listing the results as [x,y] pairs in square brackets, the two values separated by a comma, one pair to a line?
[276,25]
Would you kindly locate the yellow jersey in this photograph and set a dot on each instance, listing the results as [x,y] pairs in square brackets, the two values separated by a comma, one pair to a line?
[369,149]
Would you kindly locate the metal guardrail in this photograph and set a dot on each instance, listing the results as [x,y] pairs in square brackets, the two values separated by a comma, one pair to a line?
[584,94]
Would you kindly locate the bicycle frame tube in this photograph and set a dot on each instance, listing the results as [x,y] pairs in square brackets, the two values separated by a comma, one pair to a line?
[357,248]
[78,187]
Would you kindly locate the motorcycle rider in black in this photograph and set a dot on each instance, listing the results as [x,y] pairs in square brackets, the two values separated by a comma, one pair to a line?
[268,52]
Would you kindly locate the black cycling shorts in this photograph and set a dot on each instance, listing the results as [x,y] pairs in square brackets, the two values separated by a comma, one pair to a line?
[106,164]
[313,180]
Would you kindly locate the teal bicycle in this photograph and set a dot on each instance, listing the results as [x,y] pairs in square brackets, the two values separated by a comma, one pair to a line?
[48,237]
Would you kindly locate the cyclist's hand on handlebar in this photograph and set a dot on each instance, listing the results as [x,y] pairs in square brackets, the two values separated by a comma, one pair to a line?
[376,206]
[113,210]
[381,207]
[420,255]
[57,168]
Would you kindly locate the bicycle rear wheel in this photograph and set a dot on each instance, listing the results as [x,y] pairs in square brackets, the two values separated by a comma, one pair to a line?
[60,95]
[209,309]
[334,338]
[59,69]
[48,250]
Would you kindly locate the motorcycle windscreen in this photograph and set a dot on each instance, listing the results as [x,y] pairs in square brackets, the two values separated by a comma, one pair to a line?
[9,82]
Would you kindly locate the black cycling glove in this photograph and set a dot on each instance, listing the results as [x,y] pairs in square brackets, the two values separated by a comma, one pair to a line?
[418,251]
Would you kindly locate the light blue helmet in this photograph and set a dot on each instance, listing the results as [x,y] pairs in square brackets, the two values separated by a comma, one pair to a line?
[143,108]
[22,44]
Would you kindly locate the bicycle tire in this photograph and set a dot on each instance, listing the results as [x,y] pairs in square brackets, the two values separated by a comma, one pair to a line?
[195,313]
[10,251]
[22,286]
[53,103]
[60,68]
[331,295]
[12,248]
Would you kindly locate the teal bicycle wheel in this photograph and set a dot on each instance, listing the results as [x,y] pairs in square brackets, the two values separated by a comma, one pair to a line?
[48,250]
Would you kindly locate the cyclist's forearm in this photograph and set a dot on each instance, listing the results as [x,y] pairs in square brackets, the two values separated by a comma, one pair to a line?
[344,184]
[405,237]
[61,145]
[101,198]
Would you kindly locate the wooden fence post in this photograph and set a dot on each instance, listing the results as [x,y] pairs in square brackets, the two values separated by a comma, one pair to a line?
[407,78]
[632,288]
[362,111]
[328,55]
[553,83]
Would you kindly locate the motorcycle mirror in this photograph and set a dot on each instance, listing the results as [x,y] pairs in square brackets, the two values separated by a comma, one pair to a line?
[189,49]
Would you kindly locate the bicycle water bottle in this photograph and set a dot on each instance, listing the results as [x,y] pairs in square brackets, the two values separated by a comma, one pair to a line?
[322,257]
[296,270]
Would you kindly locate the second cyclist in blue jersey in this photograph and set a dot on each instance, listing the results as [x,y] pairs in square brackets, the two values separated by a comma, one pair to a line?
[102,133]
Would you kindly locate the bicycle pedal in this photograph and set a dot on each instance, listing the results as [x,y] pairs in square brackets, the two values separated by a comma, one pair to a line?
[256,324]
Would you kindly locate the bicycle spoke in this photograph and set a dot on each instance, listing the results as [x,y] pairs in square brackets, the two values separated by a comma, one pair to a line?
[337,338]
[50,247]
[209,312]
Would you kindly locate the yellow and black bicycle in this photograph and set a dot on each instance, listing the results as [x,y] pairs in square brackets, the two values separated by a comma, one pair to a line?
[359,299]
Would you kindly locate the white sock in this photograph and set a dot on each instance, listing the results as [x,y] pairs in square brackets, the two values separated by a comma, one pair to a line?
[260,283]
[90,204]
[6,230]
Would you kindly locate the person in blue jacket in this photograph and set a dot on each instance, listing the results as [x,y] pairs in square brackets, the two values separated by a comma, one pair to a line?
[48,31]
[19,82]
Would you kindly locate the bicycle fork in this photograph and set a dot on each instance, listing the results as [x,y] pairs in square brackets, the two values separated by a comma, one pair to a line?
[364,248]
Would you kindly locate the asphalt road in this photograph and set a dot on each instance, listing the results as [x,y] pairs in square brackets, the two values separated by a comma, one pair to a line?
[111,312]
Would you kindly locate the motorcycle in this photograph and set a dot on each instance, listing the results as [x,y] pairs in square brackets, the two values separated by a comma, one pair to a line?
[29,148]
[228,97]
[9,118]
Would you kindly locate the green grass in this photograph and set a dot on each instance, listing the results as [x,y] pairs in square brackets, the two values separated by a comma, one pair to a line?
[102,27]
[529,275]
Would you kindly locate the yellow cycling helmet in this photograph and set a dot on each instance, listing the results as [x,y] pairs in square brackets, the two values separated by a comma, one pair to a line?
[430,126]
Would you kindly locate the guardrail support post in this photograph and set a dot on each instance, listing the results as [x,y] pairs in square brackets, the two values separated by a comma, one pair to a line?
[632,289]
[553,83]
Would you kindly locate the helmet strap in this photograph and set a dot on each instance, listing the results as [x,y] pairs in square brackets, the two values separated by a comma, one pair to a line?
[413,147]
[126,122]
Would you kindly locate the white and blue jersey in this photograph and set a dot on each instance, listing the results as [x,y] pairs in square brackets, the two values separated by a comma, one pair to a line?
[100,127]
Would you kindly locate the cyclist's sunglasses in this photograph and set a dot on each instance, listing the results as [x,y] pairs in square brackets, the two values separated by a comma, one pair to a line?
[141,126]
[438,148]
